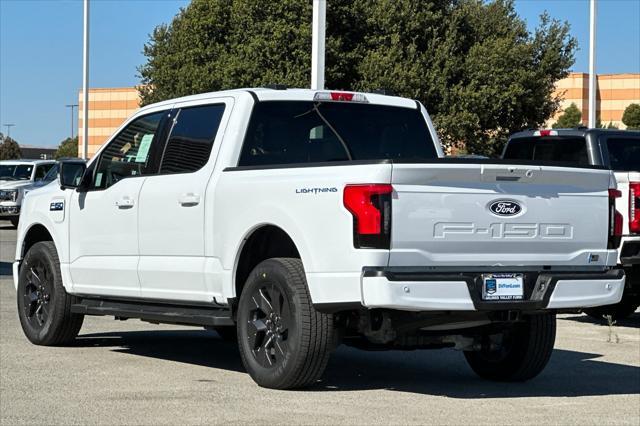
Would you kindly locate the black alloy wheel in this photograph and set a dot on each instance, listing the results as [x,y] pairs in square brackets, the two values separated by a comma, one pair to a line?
[37,295]
[269,325]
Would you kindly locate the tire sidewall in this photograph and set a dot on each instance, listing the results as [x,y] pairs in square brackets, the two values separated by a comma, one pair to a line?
[42,252]
[267,273]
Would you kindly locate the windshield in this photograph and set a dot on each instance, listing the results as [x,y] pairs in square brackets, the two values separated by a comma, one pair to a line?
[15,171]
[624,154]
[289,132]
[553,149]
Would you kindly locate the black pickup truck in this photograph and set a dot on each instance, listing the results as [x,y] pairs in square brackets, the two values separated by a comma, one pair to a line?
[617,150]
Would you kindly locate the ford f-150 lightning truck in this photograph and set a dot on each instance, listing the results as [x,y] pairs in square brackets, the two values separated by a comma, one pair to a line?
[296,220]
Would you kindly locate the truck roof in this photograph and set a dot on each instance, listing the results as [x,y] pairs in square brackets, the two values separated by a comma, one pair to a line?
[268,94]
[576,131]
[26,161]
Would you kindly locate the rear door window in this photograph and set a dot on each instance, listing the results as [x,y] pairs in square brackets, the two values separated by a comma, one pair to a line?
[554,149]
[191,139]
[624,154]
[294,132]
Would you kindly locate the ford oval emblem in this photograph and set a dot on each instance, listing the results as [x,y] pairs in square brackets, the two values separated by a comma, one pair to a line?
[505,208]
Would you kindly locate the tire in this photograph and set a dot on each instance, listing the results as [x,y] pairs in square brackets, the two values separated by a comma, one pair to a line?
[44,307]
[524,353]
[621,310]
[284,342]
[14,222]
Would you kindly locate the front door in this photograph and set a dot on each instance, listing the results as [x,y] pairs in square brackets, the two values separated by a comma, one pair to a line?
[172,230]
[103,221]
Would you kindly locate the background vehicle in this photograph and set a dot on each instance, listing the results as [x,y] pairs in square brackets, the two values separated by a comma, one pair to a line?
[313,218]
[617,150]
[15,177]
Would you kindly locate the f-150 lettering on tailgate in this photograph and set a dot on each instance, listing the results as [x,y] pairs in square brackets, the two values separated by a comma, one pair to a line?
[558,231]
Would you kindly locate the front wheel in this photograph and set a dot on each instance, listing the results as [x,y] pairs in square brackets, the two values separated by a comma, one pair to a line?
[522,353]
[14,222]
[284,342]
[44,307]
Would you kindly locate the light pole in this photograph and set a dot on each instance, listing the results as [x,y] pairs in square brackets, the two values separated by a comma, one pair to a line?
[72,106]
[85,82]
[318,43]
[592,64]
[9,126]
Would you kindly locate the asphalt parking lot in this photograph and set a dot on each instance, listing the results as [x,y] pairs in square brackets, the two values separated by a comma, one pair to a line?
[136,373]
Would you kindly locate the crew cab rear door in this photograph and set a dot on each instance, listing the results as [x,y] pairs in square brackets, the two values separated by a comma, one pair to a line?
[172,205]
[465,214]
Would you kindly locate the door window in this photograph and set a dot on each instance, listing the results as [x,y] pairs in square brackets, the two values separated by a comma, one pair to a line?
[128,154]
[191,139]
[42,170]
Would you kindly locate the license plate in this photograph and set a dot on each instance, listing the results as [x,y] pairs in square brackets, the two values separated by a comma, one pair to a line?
[502,287]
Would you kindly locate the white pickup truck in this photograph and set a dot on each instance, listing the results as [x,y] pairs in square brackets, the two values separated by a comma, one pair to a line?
[295,220]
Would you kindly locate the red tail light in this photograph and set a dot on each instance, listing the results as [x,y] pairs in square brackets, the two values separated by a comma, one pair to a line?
[370,205]
[615,220]
[634,207]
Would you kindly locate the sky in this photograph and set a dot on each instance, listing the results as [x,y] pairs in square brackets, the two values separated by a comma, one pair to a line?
[41,51]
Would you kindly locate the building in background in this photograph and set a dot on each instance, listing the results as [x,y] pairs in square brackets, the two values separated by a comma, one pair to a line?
[37,152]
[108,109]
[615,93]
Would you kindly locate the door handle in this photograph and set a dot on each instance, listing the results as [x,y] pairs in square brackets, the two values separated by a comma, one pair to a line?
[125,203]
[189,200]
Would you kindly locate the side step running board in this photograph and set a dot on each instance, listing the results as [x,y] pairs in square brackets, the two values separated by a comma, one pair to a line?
[155,312]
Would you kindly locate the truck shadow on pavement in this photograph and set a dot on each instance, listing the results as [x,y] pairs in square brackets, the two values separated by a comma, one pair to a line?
[439,372]
[631,322]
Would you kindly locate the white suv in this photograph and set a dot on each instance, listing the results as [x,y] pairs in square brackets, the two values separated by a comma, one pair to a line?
[294,220]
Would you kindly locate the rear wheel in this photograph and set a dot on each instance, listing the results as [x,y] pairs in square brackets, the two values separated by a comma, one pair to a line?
[284,342]
[44,307]
[522,354]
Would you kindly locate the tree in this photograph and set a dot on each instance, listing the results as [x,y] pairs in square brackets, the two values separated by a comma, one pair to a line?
[474,64]
[572,117]
[67,148]
[631,117]
[9,148]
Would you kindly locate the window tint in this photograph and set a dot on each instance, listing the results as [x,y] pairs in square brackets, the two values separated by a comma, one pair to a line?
[191,139]
[52,174]
[285,132]
[128,154]
[624,154]
[549,149]
[15,171]
[41,171]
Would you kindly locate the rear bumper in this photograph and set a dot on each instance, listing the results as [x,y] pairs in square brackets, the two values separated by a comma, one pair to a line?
[420,291]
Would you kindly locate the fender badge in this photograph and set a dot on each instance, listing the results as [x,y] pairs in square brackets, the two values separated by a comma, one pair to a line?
[56,206]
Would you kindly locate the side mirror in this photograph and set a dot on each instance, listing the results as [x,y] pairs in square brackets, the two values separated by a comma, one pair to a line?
[71,173]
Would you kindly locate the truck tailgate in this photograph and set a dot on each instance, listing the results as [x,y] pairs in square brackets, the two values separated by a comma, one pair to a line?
[470,214]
